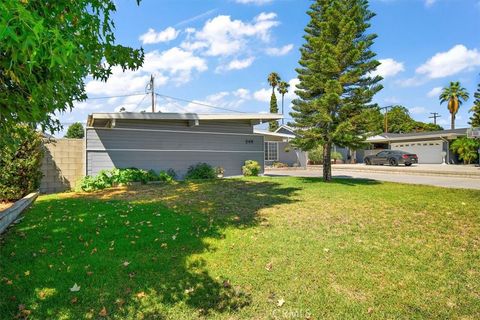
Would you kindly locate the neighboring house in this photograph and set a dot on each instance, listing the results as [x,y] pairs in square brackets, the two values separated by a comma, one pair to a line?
[430,147]
[278,148]
[161,141]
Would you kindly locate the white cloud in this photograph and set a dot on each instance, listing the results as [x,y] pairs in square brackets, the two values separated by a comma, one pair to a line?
[152,36]
[256,2]
[175,64]
[388,68]
[417,110]
[236,64]
[435,92]
[412,82]
[430,3]
[451,62]
[280,51]
[263,95]
[222,36]
[242,93]
[179,64]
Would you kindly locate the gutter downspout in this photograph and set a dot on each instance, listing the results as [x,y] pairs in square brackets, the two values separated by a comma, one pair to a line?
[448,149]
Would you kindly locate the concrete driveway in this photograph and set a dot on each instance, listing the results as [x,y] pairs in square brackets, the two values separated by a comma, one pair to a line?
[412,177]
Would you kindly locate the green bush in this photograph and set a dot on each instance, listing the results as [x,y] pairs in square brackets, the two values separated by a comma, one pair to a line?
[200,171]
[316,155]
[336,156]
[20,164]
[251,168]
[466,148]
[108,178]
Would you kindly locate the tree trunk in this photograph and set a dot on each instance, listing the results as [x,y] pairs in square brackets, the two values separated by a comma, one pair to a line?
[283,116]
[327,161]
[453,122]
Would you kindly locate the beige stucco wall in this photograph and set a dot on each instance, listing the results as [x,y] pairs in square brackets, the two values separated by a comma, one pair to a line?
[63,164]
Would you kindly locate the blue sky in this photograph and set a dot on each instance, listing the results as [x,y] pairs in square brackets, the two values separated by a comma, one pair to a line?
[220,53]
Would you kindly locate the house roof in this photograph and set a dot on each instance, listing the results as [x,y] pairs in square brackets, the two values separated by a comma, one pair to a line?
[181,116]
[446,134]
[274,134]
[285,127]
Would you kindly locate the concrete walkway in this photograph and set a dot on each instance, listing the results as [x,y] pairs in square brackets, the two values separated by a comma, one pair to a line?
[471,182]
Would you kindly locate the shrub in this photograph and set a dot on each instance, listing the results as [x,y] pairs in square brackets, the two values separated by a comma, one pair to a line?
[200,171]
[165,176]
[251,168]
[20,164]
[219,171]
[316,155]
[108,178]
[336,156]
[172,173]
[279,165]
[466,148]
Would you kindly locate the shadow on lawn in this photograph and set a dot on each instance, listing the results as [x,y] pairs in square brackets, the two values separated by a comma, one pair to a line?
[342,180]
[158,230]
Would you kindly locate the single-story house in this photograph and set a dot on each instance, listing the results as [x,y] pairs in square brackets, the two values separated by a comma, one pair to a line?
[430,147]
[279,150]
[162,141]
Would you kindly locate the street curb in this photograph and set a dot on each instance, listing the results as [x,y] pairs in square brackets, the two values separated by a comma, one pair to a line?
[9,215]
[391,171]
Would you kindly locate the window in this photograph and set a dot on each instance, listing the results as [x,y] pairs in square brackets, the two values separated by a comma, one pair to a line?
[271,151]
[383,154]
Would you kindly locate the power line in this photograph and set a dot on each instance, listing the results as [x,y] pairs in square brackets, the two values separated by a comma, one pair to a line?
[119,96]
[198,103]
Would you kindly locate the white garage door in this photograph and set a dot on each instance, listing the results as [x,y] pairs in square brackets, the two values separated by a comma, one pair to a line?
[427,151]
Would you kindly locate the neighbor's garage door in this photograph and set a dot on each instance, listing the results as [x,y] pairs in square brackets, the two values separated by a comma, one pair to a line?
[427,151]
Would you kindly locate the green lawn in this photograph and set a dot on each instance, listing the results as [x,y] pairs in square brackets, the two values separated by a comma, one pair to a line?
[286,248]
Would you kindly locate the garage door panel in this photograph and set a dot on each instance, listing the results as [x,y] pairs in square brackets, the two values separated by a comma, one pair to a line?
[427,151]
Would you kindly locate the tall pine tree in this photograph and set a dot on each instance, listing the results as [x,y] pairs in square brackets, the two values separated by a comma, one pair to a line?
[273,125]
[475,118]
[336,86]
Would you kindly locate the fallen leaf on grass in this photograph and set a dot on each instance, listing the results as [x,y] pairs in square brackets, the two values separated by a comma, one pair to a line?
[103,312]
[189,290]
[280,302]
[74,300]
[75,288]
[120,302]
[269,266]
[126,263]
[141,295]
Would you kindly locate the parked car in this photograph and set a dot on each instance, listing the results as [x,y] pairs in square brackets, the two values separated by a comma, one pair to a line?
[392,157]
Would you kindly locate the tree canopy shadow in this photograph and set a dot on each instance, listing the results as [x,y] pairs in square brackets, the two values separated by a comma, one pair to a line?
[133,250]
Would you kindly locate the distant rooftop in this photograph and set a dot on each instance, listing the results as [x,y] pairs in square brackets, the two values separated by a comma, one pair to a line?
[418,135]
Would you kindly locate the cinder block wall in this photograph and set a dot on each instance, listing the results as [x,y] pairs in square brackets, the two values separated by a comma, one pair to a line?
[63,164]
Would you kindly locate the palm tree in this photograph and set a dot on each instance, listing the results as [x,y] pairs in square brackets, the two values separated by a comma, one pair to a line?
[455,95]
[283,89]
[273,80]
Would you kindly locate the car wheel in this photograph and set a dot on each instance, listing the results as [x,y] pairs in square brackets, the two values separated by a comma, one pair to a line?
[408,164]
[393,162]
[367,162]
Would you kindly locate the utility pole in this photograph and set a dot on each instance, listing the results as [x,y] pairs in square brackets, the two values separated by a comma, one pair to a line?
[386,117]
[434,116]
[152,88]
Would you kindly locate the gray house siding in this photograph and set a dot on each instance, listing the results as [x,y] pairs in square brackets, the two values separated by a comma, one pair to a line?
[161,145]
